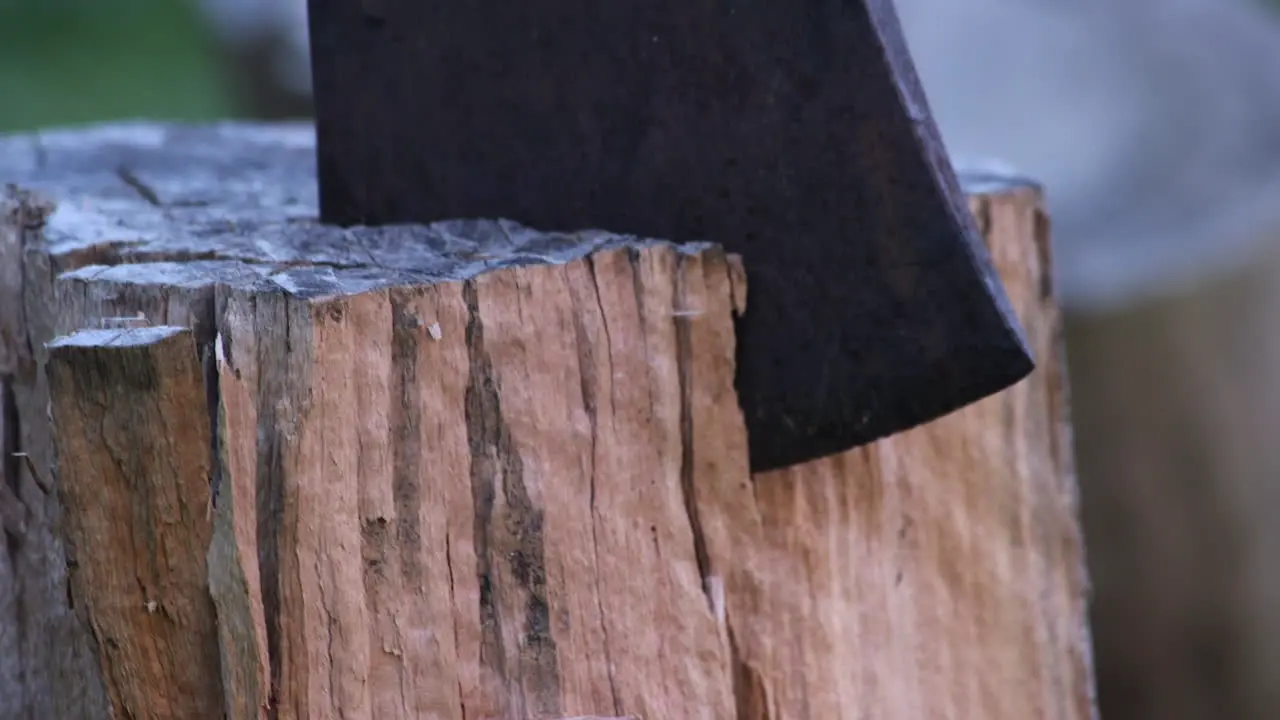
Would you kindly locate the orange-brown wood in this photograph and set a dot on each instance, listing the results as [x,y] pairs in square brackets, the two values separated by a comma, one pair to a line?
[522,491]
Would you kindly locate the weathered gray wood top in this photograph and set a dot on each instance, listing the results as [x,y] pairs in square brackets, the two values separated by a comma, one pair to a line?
[239,199]
[186,200]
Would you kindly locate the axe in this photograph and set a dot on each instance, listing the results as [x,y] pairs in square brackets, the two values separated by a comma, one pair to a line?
[792,132]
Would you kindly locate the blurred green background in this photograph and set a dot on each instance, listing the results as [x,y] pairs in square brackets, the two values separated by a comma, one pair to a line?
[73,61]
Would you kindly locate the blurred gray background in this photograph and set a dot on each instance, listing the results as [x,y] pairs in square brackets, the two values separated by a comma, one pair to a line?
[1155,126]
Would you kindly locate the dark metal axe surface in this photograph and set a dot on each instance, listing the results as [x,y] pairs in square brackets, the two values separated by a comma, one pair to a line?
[793,132]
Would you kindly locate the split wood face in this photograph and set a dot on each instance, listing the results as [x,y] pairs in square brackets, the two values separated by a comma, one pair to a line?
[793,133]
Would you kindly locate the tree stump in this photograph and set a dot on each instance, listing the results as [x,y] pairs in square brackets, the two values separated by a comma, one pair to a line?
[474,470]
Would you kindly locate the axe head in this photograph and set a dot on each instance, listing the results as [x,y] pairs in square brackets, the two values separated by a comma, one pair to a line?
[792,132]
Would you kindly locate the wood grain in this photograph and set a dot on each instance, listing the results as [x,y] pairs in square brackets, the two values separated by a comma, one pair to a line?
[937,573]
[135,467]
[474,470]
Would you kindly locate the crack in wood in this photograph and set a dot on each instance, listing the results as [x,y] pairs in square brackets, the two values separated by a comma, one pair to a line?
[684,352]
[145,191]
[590,382]
[11,471]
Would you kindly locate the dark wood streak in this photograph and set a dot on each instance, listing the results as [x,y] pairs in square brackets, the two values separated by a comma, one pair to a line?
[405,423]
[271,482]
[512,531]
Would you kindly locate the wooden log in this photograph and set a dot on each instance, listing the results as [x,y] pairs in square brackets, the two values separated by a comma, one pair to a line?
[475,470]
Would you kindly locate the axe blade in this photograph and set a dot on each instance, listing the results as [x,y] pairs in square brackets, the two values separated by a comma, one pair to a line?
[793,132]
